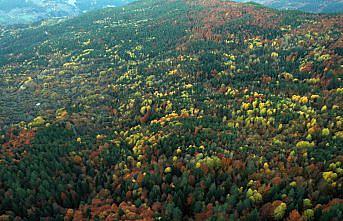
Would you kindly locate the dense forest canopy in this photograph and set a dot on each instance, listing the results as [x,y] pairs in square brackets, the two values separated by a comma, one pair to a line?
[23,12]
[173,110]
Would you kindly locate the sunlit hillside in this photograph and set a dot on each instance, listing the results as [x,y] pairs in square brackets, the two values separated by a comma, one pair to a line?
[313,6]
[14,12]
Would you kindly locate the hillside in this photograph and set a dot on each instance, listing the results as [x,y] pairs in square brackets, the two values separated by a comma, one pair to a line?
[173,110]
[28,11]
[314,6]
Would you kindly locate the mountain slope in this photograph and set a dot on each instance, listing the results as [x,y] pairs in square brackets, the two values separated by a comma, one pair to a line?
[28,11]
[173,110]
[316,6]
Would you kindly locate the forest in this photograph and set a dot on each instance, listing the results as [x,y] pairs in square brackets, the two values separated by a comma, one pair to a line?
[173,110]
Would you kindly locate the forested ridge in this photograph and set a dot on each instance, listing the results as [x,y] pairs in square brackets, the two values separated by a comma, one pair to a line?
[173,110]
[25,12]
[313,6]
